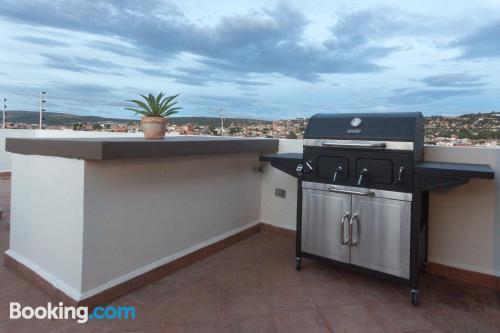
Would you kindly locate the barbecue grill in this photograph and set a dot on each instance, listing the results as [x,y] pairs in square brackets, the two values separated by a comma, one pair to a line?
[363,193]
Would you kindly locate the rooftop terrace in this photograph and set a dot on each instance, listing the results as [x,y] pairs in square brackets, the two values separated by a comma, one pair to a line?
[252,286]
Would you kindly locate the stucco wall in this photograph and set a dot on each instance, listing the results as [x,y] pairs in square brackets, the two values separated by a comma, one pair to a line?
[279,211]
[47,218]
[87,226]
[140,214]
[464,222]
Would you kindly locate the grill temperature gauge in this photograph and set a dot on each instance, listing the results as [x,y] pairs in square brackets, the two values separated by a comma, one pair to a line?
[355,122]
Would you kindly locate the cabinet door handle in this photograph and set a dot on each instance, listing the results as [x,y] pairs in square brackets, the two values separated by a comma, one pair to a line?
[354,145]
[355,217]
[343,241]
[338,190]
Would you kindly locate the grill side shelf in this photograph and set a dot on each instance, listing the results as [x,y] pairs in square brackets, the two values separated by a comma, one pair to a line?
[286,162]
[438,175]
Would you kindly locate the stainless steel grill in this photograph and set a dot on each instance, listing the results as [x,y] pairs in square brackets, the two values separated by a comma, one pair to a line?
[363,193]
[357,191]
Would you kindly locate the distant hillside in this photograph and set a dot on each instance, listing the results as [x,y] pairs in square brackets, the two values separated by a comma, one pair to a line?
[66,119]
[53,118]
[476,126]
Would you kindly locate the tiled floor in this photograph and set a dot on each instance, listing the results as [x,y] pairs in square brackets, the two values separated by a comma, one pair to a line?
[253,287]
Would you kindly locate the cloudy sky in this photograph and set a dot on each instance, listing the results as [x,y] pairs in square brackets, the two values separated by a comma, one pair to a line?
[252,58]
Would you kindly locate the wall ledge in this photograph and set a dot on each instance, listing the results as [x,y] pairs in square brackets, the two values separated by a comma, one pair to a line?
[462,275]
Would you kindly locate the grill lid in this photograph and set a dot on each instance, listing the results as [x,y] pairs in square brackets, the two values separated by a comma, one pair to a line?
[404,126]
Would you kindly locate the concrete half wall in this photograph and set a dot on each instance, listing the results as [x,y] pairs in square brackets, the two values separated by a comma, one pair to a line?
[141,214]
[464,222]
[47,219]
[86,227]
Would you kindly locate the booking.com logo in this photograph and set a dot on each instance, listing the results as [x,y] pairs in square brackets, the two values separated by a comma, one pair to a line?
[80,314]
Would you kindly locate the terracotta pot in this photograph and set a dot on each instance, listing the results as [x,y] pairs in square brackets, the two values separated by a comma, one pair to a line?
[154,127]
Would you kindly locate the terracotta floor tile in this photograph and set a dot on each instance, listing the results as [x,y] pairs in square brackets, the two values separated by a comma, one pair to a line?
[257,324]
[191,328]
[29,326]
[155,293]
[272,262]
[290,299]
[241,263]
[334,293]
[243,304]
[210,265]
[194,308]
[300,322]
[375,291]
[352,319]
[277,277]
[195,284]
[238,280]
[314,272]
[101,327]
[401,316]
[457,319]
[148,316]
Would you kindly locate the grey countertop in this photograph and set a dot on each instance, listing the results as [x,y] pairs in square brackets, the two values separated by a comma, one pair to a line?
[126,148]
[466,170]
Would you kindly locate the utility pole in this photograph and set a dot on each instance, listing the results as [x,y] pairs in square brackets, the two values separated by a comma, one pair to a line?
[3,113]
[42,102]
[221,122]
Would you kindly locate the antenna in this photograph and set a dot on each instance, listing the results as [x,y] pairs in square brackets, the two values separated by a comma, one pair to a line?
[221,122]
[3,113]
[42,102]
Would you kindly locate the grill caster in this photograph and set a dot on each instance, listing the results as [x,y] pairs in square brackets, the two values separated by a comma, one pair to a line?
[298,264]
[414,297]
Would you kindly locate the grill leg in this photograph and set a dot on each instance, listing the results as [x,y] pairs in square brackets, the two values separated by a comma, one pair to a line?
[298,263]
[414,297]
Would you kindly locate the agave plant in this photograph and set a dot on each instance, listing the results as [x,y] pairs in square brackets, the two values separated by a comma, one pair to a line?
[155,106]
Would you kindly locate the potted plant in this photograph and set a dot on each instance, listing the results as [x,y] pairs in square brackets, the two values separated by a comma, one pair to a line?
[154,111]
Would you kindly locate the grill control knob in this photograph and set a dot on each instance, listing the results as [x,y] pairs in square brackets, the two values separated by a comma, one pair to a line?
[336,173]
[361,175]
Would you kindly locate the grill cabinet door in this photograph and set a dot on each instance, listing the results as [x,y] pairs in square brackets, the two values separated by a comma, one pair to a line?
[322,215]
[381,228]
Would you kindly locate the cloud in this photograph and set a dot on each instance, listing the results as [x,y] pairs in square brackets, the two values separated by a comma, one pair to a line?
[202,76]
[423,96]
[121,49]
[42,41]
[63,96]
[228,103]
[454,80]
[82,97]
[265,41]
[482,43]
[80,64]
